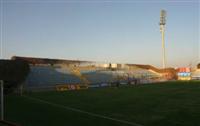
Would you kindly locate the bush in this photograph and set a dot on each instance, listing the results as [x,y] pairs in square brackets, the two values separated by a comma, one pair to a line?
[13,73]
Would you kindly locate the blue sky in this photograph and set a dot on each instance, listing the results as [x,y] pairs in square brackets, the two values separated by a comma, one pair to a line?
[108,31]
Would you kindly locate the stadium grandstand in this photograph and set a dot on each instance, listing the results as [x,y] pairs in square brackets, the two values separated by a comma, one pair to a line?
[196,73]
[50,74]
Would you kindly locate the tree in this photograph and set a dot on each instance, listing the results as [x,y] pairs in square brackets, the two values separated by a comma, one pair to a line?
[13,73]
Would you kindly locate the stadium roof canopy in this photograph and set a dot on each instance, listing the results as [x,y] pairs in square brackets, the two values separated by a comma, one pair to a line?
[34,60]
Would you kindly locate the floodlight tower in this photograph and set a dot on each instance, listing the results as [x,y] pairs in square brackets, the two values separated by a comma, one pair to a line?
[162,30]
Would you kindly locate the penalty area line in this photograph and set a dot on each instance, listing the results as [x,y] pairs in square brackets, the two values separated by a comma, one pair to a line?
[84,112]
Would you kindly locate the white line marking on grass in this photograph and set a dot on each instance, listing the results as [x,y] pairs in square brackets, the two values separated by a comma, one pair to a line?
[85,112]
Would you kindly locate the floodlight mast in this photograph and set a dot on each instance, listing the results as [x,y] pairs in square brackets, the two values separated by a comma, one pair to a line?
[162,30]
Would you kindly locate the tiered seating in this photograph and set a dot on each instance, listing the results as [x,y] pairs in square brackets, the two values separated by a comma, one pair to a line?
[46,76]
[49,76]
[96,77]
[196,74]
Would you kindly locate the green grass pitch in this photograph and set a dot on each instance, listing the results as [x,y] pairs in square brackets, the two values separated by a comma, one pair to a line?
[163,104]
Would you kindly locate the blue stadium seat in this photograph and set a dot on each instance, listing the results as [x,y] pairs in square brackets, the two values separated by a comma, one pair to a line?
[49,76]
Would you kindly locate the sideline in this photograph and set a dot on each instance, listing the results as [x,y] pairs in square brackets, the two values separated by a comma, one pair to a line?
[85,112]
